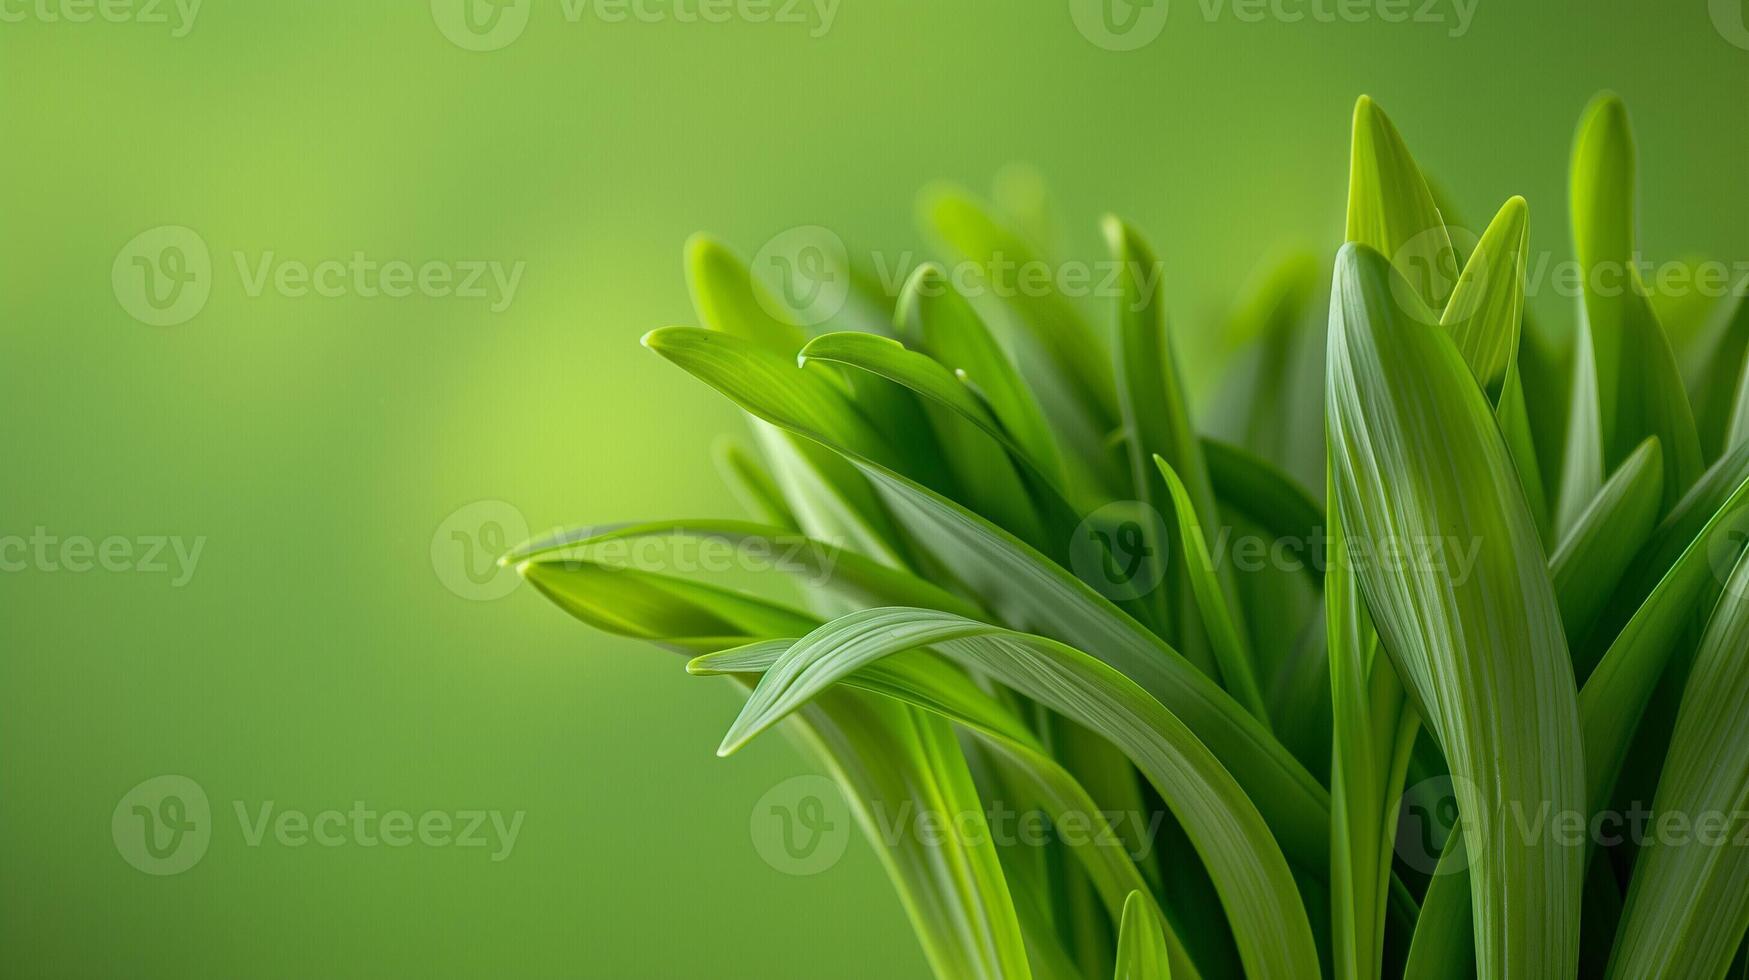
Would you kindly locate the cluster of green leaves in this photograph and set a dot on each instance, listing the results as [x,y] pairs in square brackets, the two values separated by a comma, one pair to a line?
[943,453]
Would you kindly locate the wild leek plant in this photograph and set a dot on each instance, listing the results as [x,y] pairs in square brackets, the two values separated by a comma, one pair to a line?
[1484,710]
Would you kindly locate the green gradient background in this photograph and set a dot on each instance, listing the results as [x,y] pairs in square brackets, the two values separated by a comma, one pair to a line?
[316,658]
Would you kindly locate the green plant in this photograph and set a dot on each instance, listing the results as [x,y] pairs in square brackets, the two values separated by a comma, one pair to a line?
[1521,592]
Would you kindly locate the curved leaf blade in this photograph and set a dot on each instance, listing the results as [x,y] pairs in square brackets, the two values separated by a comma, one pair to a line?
[1688,903]
[1026,590]
[1637,389]
[1247,865]
[930,682]
[1418,456]
[1232,653]
[1141,947]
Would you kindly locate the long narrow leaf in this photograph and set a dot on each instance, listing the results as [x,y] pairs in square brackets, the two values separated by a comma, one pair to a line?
[1255,884]
[1418,459]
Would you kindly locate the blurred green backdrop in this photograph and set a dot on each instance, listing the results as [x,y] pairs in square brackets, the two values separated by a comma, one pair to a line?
[317,658]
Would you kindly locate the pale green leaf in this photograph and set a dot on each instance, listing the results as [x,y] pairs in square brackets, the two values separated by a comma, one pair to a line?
[1418,458]
[728,298]
[1628,373]
[1391,209]
[1141,947]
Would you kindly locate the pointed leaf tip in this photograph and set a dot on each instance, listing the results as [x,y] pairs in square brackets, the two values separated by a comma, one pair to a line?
[748,725]
[1114,230]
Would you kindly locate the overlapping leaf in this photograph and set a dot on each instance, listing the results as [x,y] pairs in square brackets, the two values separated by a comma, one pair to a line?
[1418,459]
